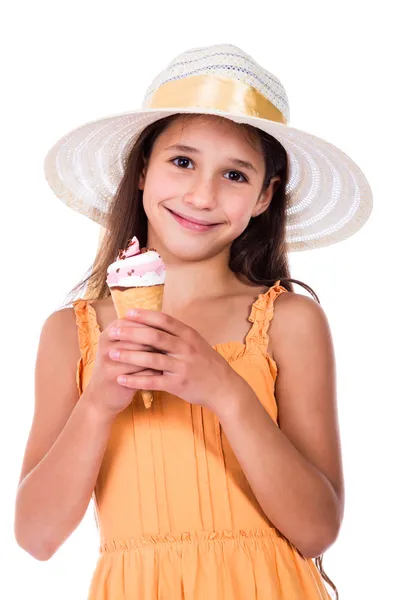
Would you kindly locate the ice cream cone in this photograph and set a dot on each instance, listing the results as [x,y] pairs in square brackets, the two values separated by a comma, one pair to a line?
[148,297]
[136,280]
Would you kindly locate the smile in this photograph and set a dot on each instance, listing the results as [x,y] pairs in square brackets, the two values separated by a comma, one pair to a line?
[187,224]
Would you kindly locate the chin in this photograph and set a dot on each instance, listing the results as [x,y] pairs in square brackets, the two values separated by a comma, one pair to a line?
[187,249]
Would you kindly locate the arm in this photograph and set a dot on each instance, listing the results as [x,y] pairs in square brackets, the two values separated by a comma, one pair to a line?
[65,447]
[295,470]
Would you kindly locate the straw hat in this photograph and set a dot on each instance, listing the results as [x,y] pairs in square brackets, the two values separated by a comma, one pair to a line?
[330,198]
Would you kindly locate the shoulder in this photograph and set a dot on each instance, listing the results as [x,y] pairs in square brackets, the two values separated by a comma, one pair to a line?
[62,320]
[61,325]
[296,308]
[298,320]
[58,341]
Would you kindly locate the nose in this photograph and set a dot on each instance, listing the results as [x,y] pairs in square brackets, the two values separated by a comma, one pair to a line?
[201,195]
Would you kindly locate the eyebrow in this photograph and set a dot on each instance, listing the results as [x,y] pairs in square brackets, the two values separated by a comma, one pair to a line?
[236,161]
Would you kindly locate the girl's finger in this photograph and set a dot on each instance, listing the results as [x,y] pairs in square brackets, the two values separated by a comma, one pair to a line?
[152,337]
[114,332]
[148,373]
[149,360]
[124,334]
[144,382]
[158,320]
[134,347]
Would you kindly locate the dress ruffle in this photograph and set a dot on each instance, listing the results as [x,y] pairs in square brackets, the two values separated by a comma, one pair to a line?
[194,566]
[186,537]
[261,314]
[88,331]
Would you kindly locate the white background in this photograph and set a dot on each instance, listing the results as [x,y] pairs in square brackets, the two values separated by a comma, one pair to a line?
[66,63]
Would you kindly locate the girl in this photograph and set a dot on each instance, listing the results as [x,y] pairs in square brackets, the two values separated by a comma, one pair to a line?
[231,484]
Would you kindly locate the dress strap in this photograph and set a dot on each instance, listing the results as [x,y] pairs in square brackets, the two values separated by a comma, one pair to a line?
[88,333]
[88,329]
[261,315]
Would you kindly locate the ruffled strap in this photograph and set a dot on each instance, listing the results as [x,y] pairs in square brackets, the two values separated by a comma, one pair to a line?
[261,315]
[88,332]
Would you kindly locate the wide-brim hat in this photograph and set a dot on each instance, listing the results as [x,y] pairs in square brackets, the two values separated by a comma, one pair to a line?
[329,198]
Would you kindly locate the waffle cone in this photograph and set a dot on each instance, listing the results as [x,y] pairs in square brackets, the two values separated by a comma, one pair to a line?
[148,297]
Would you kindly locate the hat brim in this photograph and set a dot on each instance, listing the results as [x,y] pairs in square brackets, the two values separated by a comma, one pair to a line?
[330,198]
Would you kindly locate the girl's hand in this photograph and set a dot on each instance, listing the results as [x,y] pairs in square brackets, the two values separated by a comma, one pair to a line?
[106,394]
[191,368]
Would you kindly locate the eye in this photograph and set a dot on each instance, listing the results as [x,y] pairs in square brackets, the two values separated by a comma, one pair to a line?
[237,174]
[182,161]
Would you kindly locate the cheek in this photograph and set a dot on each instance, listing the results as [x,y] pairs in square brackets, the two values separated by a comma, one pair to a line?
[239,212]
[158,187]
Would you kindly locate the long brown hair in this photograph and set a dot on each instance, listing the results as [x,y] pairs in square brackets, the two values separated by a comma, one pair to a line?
[259,253]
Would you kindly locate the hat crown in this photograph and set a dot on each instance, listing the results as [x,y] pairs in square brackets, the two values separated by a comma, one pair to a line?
[227,61]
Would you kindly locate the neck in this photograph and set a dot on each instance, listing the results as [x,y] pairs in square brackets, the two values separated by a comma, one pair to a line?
[188,280]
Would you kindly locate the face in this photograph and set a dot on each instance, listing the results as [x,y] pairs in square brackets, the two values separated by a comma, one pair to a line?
[205,169]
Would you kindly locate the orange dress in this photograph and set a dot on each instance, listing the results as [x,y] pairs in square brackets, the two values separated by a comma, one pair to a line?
[176,516]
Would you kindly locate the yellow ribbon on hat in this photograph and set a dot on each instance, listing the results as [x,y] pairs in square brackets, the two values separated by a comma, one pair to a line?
[211,91]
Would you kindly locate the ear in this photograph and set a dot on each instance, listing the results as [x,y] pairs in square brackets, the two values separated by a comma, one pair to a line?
[142,177]
[266,196]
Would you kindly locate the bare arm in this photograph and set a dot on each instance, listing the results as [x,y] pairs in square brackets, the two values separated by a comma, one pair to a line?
[295,471]
[65,448]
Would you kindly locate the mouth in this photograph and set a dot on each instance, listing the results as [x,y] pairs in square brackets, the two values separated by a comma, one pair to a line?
[193,225]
